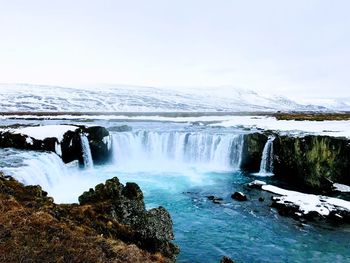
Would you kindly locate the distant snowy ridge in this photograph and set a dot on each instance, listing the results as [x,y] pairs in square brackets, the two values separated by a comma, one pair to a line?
[108,98]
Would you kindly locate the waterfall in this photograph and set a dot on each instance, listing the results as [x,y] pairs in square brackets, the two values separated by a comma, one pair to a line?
[35,168]
[88,162]
[177,148]
[266,165]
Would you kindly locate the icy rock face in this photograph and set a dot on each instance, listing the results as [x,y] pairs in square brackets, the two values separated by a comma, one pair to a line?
[312,161]
[152,228]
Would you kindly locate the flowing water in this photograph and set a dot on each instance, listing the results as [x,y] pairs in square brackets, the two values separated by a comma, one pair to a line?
[266,165]
[178,167]
[88,162]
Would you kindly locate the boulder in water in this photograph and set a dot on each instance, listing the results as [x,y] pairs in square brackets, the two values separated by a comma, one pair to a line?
[257,184]
[226,260]
[239,196]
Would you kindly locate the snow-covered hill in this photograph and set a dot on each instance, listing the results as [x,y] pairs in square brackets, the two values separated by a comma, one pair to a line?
[25,97]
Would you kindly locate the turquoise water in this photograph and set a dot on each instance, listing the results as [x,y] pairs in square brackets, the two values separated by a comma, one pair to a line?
[246,231]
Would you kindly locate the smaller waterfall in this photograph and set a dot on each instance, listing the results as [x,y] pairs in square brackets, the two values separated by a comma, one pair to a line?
[87,157]
[266,165]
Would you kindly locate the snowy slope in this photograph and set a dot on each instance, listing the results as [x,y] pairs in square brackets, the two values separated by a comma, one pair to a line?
[25,97]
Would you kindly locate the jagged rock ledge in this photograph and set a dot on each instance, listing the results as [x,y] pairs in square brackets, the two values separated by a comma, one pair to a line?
[111,224]
[65,140]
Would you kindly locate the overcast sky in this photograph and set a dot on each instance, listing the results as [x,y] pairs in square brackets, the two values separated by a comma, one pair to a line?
[296,47]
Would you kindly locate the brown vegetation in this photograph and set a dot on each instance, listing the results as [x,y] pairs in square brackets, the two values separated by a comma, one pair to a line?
[312,116]
[34,229]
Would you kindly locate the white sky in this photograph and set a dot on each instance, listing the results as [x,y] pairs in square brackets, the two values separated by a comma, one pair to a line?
[291,47]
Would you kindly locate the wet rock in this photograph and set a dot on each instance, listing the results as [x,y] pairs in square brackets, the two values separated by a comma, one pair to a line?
[239,196]
[256,184]
[226,260]
[214,199]
[261,199]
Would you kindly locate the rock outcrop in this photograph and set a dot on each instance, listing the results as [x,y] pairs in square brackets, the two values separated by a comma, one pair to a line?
[110,225]
[253,147]
[68,147]
[124,206]
[312,161]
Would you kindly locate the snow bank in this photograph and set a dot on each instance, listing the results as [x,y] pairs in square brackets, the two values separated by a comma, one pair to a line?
[42,132]
[330,128]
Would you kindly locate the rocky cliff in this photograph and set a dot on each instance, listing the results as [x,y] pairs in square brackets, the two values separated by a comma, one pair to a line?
[311,161]
[111,224]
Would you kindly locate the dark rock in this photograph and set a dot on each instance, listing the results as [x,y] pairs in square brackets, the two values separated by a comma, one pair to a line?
[226,260]
[214,199]
[239,196]
[256,184]
[24,142]
[252,151]
[261,199]
[99,141]
[151,230]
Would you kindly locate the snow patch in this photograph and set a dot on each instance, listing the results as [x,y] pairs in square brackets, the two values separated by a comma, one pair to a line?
[307,203]
[29,140]
[341,188]
[330,128]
